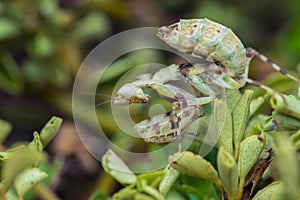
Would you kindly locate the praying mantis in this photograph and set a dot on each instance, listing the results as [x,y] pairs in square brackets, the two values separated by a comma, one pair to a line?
[223,63]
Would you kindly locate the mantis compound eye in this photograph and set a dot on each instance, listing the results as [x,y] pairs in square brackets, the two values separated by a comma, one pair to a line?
[130,93]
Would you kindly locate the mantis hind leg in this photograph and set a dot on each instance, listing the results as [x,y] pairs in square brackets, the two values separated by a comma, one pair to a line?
[250,53]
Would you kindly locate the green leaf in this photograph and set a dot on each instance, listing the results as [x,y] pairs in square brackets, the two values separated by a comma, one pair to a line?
[255,130]
[194,188]
[288,105]
[271,192]
[41,45]
[228,172]
[257,120]
[95,25]
[194,165]
[36,143]
[232,97]
[5,128]
[175,195]
[114,166]
[35,74]
[250,151]
[11,78]
[296,140]
[169,179]
[282,123]
[99,195]
[141,196]
[255,105]
[10,195]
[152,179]
[126,193]
[27,179]
[22,158]
[282,84]
[4,156]
[50,130]
[8,29]
[49,8]
[240,116]
[287,166]
[143,186]
[224,125]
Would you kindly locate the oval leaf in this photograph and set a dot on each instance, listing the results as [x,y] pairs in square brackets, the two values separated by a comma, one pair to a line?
[20,159]
[240,116]
[255,105]
[228,172]
[50,130]
[27,179]
[271,192]
[194,165]
[114,166]
[224,125]
[250,151]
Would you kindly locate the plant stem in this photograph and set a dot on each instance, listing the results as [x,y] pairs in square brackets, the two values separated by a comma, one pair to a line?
[240,189]
[2,148]
[3,190]
[44,192]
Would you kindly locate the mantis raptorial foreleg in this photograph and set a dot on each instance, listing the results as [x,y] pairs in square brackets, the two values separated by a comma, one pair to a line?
[133,93]
[166,127]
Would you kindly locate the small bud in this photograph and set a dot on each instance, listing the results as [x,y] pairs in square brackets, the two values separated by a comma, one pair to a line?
[288,105]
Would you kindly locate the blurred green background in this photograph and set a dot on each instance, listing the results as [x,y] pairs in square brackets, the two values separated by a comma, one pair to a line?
[43,42]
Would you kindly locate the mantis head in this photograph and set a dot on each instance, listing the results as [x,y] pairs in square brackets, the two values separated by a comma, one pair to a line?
[130,93]
[180,35]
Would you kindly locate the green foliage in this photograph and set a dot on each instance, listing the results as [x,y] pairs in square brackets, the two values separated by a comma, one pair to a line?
[50,37]
[189,163]
[240,168]
[49,130]
[114,166]
[44,41]
[20,169]
[5,128]
[228,172]
[171,175]
[27,179]
[272,191]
